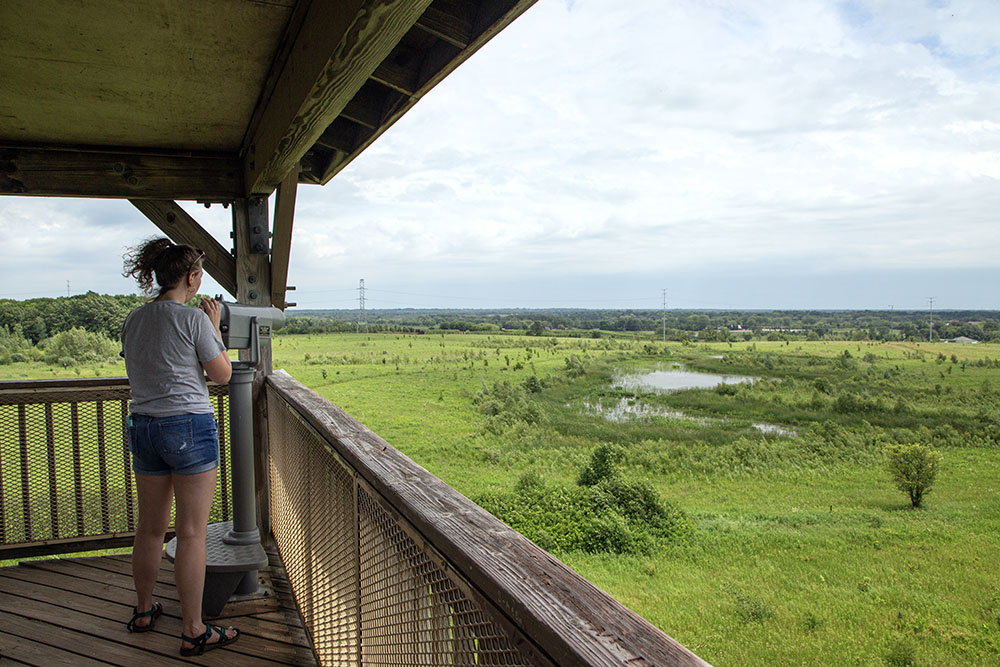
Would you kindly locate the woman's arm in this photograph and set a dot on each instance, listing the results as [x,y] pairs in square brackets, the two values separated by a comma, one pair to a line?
[220,369]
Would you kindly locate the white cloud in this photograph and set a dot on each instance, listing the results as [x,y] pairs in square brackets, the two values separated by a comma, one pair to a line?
[636,137]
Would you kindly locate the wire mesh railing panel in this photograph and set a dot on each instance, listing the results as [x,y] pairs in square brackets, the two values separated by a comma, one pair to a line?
[370,590]
[314,524]
[413,609]
[65,467]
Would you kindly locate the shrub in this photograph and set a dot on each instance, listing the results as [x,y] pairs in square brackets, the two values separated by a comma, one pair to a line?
[505,405]
[901,654]
[913,469]
[727,389]
[574,367]
[603,465]
[532,384]
[849,402]
[79,345]
[611,515]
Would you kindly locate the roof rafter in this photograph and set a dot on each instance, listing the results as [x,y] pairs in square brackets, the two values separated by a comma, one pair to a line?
[338,45]
[412,69]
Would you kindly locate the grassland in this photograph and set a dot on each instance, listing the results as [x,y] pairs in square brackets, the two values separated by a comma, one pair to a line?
[802,553]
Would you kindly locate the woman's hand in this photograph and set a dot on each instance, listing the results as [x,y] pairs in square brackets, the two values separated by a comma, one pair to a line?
[214,312]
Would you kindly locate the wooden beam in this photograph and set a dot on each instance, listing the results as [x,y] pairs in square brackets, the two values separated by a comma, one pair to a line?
[340,43]
[180,227]
[281,243]
[253,286]
[66,172]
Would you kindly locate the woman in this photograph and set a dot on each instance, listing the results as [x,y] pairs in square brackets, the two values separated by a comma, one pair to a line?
[168,349]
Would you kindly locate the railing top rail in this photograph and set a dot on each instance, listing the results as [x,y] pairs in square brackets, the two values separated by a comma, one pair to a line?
[570,619]
[29,391]
[63,384]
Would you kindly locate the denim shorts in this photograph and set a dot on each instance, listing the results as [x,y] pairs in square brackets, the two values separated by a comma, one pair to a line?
[181,444]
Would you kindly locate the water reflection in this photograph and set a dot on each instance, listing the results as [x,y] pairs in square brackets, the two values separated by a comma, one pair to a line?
[775,429]
[677,380]
[661,381]
[630,408]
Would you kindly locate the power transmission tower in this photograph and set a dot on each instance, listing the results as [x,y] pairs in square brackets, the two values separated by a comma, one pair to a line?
[362,319]
[930,319]
[664,315]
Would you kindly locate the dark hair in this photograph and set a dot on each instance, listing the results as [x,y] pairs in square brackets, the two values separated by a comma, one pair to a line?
[161,259]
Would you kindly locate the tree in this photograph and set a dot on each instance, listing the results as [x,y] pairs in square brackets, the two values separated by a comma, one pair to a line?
[537,329]
[913,469]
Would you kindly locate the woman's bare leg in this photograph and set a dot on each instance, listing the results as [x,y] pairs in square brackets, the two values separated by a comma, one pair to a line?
[194,502]
[155,493]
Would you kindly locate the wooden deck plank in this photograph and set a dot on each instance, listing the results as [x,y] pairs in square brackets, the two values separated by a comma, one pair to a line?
[21,651]
[107,622]
[78,606]
[280,628]
[74,642]
[164,590]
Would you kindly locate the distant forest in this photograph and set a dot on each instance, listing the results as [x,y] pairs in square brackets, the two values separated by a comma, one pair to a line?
[38,319]
[980,325]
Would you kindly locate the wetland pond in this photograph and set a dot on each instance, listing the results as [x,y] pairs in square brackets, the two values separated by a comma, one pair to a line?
[676,379]
[663,381]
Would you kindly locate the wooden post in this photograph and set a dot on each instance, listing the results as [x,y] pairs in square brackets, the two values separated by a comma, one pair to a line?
[253,286]
[284,213]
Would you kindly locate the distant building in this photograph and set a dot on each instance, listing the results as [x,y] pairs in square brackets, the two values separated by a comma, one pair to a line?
[961,339]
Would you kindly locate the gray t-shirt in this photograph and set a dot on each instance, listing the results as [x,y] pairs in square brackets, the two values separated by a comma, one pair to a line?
[165,344]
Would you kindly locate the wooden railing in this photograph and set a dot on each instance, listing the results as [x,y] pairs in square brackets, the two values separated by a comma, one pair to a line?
[66,480]
[391,566]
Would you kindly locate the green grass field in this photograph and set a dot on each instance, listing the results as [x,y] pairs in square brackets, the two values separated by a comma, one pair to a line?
[802,552]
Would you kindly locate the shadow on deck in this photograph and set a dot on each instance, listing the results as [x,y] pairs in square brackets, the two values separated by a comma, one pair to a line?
[72,611]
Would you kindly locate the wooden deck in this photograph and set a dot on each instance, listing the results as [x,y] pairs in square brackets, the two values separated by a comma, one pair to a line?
[72,611]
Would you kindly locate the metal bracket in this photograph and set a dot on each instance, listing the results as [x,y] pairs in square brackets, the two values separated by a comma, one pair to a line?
[259,234]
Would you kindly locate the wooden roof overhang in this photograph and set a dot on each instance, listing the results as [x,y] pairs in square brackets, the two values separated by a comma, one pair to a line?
[215,100]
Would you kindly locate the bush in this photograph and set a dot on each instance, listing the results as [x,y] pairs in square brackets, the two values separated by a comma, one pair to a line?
[532,384]
[850,402]
[612,515]
[79,345]
[913,469]
[603,465]
[506,405]
[574,367]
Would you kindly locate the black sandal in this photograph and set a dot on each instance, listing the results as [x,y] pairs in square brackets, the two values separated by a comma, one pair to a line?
[153,614]
[201,644]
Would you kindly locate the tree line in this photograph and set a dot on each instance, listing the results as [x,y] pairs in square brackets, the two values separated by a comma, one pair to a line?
[35,320]
[979,325]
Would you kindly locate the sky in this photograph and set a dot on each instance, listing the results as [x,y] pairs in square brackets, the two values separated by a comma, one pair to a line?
[739,155]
